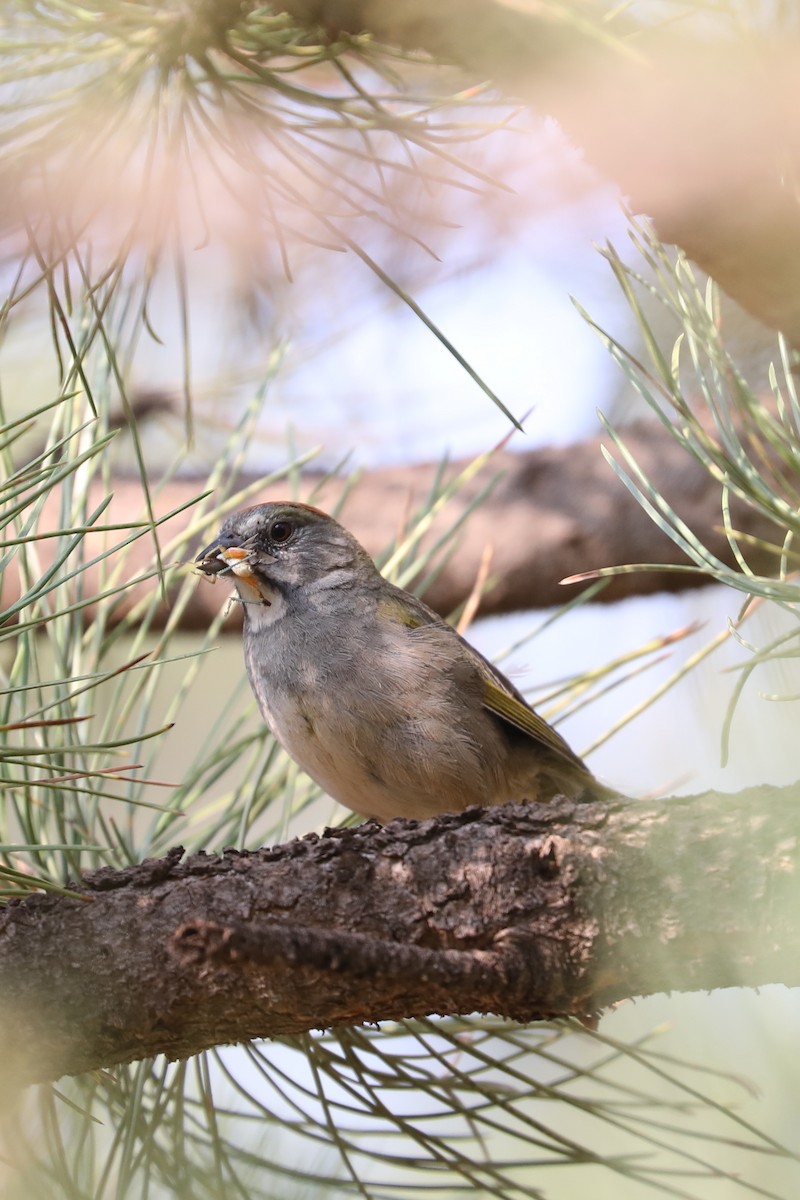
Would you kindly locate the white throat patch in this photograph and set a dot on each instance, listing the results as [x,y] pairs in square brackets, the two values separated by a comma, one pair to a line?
[263,605]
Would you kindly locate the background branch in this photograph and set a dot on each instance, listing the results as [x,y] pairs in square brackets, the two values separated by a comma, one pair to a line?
[551,513]
[698,134]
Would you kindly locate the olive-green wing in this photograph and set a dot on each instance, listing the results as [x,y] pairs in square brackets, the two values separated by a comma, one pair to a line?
[499,694]
[516,713]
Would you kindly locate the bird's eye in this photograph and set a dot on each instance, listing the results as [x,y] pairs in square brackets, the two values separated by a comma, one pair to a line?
[281,531]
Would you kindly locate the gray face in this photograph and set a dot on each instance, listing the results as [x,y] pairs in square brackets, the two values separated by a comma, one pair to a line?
[283,544]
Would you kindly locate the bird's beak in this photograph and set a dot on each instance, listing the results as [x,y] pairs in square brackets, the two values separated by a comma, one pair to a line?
[218,556]
[224,557]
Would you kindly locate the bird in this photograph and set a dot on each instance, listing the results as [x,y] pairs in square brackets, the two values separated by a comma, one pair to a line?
[376,697]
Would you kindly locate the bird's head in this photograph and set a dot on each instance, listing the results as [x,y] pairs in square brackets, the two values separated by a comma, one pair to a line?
[280,546]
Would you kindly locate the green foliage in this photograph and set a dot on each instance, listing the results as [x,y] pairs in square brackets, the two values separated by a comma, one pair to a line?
[173,112]
[745,440]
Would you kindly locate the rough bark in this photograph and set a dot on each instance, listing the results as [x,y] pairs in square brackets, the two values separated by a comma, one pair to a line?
[525,911]
[699,135]
[551,513]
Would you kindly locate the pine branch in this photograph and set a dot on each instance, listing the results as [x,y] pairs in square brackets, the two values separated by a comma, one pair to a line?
[524,911]
[550,513]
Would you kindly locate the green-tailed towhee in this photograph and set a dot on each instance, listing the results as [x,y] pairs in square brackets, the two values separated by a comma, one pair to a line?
[381,701]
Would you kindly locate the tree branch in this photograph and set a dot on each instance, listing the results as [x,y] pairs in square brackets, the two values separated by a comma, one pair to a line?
[551,513]
[522,910]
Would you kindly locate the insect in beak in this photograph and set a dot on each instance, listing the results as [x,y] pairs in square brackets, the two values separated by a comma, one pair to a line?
[217,559]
